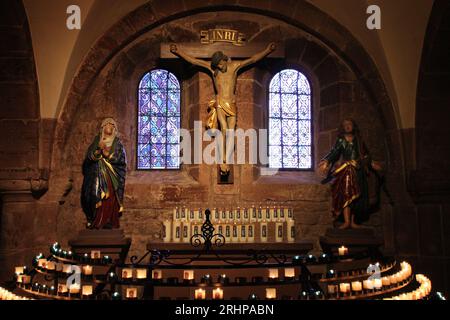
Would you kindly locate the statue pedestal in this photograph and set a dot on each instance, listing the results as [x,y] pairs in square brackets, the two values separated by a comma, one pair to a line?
[358,241]
[109,242]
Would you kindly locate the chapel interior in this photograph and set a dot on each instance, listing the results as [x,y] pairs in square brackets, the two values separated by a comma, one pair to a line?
[57,87]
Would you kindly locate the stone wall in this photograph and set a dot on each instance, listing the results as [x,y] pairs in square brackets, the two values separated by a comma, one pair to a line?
[344,81]
[151,195]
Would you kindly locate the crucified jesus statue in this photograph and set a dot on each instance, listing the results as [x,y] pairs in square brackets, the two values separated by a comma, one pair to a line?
[224,72]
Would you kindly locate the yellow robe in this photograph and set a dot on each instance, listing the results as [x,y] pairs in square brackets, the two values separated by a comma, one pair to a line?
[228,108]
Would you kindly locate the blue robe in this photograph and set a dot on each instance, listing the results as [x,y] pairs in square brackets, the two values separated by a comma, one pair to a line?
[95,168]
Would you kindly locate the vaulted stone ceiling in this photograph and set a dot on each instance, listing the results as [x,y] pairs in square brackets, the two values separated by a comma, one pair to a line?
[396,48]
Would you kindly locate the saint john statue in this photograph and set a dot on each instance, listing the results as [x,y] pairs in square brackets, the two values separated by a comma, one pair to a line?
[352,163]
[104,171]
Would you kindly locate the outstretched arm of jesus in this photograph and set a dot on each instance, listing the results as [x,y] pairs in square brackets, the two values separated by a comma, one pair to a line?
[259,56]
[183,55]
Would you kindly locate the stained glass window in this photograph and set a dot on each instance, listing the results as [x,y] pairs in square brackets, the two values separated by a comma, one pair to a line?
[158,121]
[290,135]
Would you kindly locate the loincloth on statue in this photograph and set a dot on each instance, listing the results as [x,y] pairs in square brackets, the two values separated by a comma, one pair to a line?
[345,188]
[228,108]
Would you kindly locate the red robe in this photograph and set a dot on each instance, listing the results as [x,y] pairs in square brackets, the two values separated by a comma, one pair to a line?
[108,212]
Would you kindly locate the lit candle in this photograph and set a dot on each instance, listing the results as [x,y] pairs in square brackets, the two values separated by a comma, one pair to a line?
[218,294]
[19,270]
[87,270]
[95,254]
[62,288]
[188,275]
[200,294]
[386,281]
[131,293]
[344,287]
[343,251]
[378,284]
[271,293]
[86,290]
[368,284]
[156,274]
[273,274]
[74,289]
[393,279]
[127,273]
[141,273]
[67,268]
[356,286]
[289,273]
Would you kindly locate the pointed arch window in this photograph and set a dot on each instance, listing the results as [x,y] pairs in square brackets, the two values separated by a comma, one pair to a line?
[158,145]
[290,121]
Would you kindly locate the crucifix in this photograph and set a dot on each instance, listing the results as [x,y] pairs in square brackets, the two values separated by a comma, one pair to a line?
[222,109]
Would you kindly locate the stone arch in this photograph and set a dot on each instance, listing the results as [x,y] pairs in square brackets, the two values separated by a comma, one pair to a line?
[297,13]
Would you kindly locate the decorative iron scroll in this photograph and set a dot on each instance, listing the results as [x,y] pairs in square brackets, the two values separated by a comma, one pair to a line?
[208,238]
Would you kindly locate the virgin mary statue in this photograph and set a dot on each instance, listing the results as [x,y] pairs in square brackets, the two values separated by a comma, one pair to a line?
[104,171]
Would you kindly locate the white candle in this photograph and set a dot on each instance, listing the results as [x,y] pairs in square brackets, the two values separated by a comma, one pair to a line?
[290,230]
[176,234]
[167,231]
[67,268]
[242,229]
[279,229]
[87,270]
[127,273]
[271,293]
[86,290]
[273,273]
[368,284]
[289,273]
[176,214]
[392,279]
[344,287]
[377,283]
[186,232]
[343,251]
[356,286]
[141,273]
[264,232]
[251,233]
[234,233]
[200,294]
[131,293]
[62,288]
[19,270]
[95,254]
[74,289]
[188,275]
[218,294]
[157,274]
